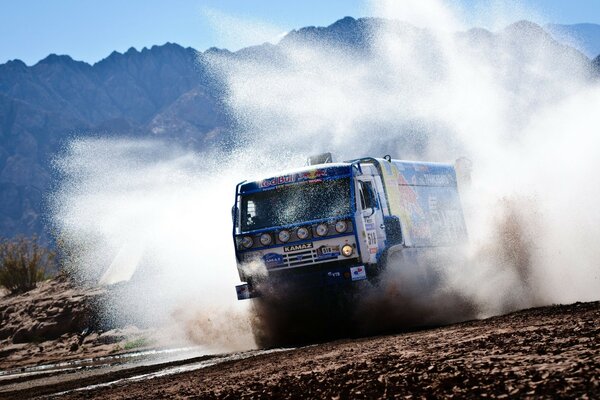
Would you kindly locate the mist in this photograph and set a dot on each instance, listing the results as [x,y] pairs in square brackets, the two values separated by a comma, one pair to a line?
[156,220]
[520,106]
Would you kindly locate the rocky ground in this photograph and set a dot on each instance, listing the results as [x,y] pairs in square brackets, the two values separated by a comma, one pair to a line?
[549,352]
[57,321]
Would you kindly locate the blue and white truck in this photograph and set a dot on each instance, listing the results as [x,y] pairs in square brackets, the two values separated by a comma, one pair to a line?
[331,225]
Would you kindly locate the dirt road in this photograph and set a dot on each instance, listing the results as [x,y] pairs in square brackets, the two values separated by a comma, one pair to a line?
[547,352]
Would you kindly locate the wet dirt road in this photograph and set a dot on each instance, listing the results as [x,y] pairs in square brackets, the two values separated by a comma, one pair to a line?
[56,380]
[547,352]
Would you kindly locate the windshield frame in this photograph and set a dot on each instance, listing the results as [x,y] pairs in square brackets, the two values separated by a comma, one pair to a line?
[239,198]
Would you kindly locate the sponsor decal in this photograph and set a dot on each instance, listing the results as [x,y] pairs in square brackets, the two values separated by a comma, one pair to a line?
[297,247]
[273,259]
[370,227]
[437,180]
[318,173]
[279,180]
[325,252]
[304,176]
[373,250]
[358,273]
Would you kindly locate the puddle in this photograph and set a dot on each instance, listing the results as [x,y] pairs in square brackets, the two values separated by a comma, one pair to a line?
[179,369]
[148,357]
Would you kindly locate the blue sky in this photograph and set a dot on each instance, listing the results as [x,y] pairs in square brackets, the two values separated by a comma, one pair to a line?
[90,30]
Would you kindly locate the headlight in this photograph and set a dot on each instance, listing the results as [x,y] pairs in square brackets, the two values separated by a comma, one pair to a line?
[322,229]
[284,236]
[302,233]
[266,239]
[247,242]
[341,226]
[347,250]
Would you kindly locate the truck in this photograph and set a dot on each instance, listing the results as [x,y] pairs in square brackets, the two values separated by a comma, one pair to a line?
[330,226]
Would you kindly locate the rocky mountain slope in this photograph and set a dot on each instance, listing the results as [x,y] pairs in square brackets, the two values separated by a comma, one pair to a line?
[139,93]
[166,91]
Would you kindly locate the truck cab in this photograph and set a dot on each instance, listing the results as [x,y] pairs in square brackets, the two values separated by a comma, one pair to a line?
[333,224]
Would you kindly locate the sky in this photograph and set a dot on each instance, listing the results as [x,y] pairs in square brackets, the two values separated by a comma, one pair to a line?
[90,30]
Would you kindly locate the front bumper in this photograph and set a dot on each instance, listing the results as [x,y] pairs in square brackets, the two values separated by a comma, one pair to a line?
[334,275]
[314,263]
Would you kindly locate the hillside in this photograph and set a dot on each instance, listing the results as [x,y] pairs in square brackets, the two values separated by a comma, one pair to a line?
[166,92]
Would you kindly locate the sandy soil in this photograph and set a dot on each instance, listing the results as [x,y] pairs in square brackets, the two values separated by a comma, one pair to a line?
[550,352]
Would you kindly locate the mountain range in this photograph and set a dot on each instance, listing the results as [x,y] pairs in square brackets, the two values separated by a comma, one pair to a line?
[165,91]
[583,37]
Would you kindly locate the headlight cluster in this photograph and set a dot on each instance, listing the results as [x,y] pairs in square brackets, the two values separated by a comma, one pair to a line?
[266,239]
[341,226]
[347,250]
[247,242]
[322,229]
[302,233]
[284,236]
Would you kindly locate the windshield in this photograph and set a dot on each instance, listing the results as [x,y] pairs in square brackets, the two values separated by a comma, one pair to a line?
[296,203]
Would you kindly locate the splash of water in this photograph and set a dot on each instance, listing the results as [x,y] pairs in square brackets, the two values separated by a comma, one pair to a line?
[515,102]
[520,106]
[154,220]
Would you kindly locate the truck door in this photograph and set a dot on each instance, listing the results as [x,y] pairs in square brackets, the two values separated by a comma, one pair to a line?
[372,218]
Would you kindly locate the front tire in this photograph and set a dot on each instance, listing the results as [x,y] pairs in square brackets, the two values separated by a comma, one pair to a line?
[291,317]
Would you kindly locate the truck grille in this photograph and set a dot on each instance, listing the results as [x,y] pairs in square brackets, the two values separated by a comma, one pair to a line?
[301,258]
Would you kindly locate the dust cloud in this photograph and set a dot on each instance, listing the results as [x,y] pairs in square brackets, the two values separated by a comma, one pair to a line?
[521,107]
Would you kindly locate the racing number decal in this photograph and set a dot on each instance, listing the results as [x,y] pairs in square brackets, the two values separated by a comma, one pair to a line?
[371,236]
[371,239]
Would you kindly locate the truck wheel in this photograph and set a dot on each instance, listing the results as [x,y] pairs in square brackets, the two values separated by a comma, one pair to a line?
[293,318]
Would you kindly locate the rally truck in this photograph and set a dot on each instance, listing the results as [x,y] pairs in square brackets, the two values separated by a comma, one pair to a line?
[332,225]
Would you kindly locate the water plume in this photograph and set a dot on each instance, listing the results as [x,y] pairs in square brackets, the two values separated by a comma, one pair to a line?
[151,220]
[520,106]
